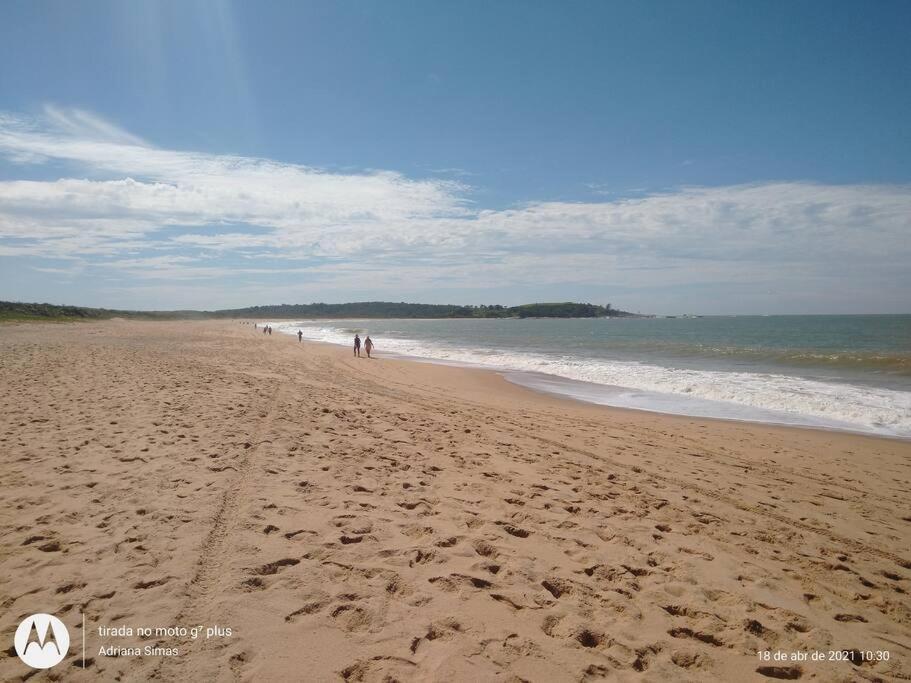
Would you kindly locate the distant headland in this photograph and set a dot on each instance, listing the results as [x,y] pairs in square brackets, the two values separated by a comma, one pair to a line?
[10,311]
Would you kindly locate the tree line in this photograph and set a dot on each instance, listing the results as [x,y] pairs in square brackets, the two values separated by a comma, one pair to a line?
[10,310]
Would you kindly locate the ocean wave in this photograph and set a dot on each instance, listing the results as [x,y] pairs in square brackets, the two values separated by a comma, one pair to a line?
[869,409]
[873,360]
[880,361]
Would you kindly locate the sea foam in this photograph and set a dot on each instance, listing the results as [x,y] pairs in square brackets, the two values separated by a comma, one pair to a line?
[763,397]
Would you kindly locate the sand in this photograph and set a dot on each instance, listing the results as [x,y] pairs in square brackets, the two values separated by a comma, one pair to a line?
[385,520]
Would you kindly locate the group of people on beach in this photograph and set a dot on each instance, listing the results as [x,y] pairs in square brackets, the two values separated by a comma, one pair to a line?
[368,342]
[368,345]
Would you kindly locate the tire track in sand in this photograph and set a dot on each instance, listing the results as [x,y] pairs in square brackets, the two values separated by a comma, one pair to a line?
[211,557]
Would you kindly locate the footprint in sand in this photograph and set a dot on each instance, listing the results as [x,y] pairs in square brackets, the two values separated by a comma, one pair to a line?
[143,585]
[684,632]
[444,630]
[311,607]
[274,567]
[787,673]
[515,531]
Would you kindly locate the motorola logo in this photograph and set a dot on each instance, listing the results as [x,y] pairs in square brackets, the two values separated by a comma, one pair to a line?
[41,641]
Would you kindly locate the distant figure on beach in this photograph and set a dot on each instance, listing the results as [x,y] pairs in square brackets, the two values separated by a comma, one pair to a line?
[300,335]
[254,326]
[270,330]
[265,329]
[368,345]
[357,346]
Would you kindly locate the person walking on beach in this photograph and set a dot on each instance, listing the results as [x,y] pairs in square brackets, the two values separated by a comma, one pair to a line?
[357,346]
[270,330]
[368,345]
[300,336]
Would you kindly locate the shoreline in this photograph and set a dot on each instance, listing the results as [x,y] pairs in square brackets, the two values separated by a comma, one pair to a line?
[500,375]
[650,401]
[574,400]
[388,518]
[569,400]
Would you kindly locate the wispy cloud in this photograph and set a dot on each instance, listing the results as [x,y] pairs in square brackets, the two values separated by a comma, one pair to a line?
[139,210]
[83,124]
[458,172]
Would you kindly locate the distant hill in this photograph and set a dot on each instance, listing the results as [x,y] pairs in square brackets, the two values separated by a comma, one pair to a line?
[386,309]
[366,309]
[10,311]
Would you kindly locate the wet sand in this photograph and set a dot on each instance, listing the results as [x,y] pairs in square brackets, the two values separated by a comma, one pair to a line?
[354,519]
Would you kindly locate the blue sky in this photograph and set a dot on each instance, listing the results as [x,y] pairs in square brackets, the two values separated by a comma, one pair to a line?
[708,157]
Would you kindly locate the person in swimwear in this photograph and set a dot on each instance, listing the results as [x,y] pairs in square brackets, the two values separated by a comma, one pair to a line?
[368,345]
[357,346]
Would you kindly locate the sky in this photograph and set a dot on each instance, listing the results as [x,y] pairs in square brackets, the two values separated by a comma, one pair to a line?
[665,157]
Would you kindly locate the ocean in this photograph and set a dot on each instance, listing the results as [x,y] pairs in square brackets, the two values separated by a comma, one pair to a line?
[847,372]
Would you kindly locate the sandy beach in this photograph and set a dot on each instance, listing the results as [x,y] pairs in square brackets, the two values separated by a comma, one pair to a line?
[377,520]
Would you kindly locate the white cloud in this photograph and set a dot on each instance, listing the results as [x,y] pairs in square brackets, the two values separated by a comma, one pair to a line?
[194,208]
[250,189]
[82,124]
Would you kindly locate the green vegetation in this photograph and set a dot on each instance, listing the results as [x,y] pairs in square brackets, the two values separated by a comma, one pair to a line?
[566,310]
[10,311]
[385,309]
[13,311]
